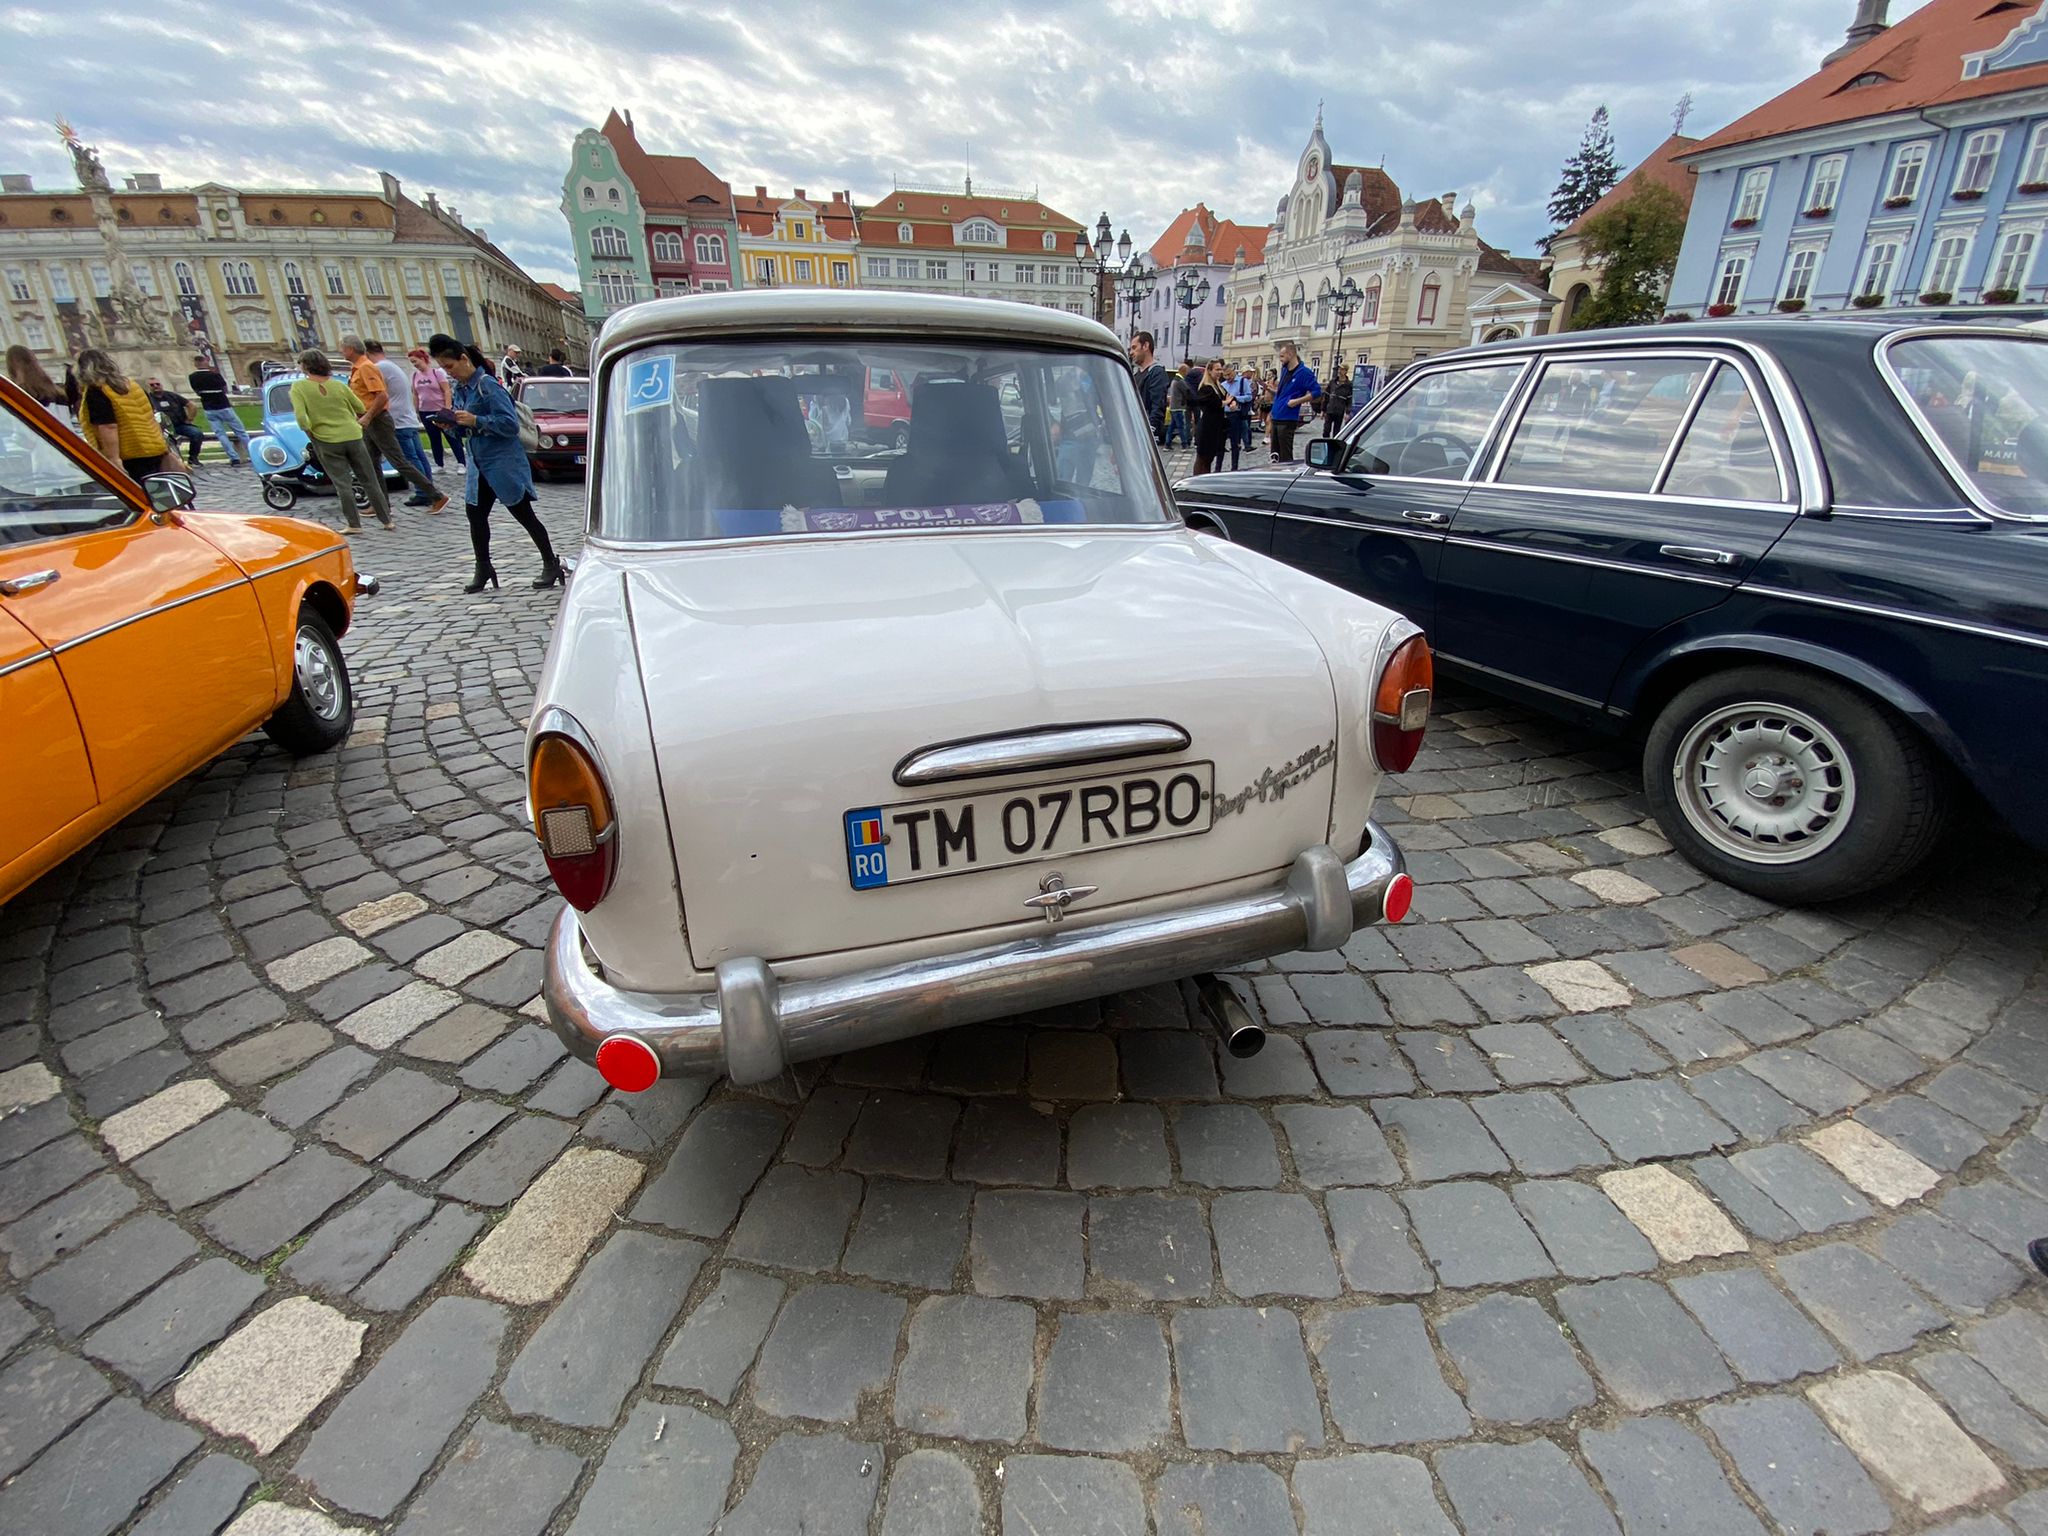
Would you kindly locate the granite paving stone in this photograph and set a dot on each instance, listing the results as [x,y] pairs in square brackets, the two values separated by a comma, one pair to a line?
[58,1226]
[1647,1351]
[201,1500]
[37,1125]
[1857,1298]
[1357,1063]
[151,1342]
[1663,1478]
[1373,1245]
[1438,1138]
[910,1232]
[570,1090]
[1680,1222]
[1756,1110]
[1074,1495]
[502,1168]
[1268,1243]
[498,1482]
[593,1347]
[1585,1233]
[966,1374]
[1528,1487]
[457,1033]
[1957,1270]
[999,1143]
[822,1485]
[276,1051]
[351,1243]
[1903,1436]
[530,1255]
[931,1493]
[1516,1365]
[42,1394]
[16,1324]
[373,1120]
[1384,1384]
[1539,1134]
[1223,1146]
[1984,1407]
[1805,1079]
[110,1272]
[1987,1101]
[1801,1185]
[103,1048]
[89,1482]
[827,1116]
[1880,1168]
[1474,1236]
[1524,1054]
[1244,1380]
[797,1218]
[713,1349]
[284,1202]
[1648,1118]
[1280,1071]
[1610,1046]
[318,1086]
[1105,1385]
[1067,1064]
[2014,1347]
[515,1061]
[1118,1146]
[47,1171]
[1027,1243]
[1222,1499]
[1162,1064]
[1446,1063]
[219,1154]
[721,1154]
[1765,1337]
[1149,1247]
[419,1261]
[830,1345]
[2001,1215]
[442,1141]
[271,1373]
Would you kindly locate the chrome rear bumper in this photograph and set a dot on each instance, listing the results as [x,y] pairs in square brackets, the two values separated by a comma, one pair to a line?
[753,1025]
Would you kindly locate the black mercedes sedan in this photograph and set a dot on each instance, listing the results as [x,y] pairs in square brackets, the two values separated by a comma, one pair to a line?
[1805,562]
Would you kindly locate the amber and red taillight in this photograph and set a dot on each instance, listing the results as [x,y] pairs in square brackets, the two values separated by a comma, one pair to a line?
[1400,705]
[572,817]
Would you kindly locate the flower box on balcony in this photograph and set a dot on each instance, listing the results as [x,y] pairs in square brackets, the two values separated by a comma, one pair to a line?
[1791,306]
[2032,187]
[1898,202]
[1867,300]
[1742,223]
[1966,194]
[1717,311]
[1817,213]
[1937,296]
[2001,296]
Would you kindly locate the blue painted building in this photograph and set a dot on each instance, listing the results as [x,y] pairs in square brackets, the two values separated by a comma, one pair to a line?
[1913,164]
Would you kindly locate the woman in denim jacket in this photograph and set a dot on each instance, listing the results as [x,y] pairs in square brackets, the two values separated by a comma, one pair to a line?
[498,469]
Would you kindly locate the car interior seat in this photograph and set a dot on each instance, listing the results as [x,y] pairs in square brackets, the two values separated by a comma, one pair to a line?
[959,452]
[754,452]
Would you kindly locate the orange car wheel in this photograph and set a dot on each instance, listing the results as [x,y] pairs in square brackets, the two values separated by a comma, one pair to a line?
[321,708]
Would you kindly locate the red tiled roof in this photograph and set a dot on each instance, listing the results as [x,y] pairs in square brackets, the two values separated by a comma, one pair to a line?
[757,212]
[560,294]
[932,215]
[1662,167]
[1918,64]
[1222,239]
[1377,194]
[664,181]
[411,221]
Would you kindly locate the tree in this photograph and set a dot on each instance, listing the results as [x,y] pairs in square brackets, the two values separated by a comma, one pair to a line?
[1635,245]
[1588,174]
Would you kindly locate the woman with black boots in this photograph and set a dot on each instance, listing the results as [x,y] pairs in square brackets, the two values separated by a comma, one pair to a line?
[498,469]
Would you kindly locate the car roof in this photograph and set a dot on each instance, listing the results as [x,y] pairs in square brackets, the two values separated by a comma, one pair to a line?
[1857,332]
[939,317]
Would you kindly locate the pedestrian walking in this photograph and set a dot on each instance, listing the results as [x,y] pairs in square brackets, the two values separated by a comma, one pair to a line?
[1151,381]
[23,368]
[174,415]
[380,428]
[1294,392]
[510,369]
[212,390]
[119,416]
[1179,401]
[405,415]
[330,413]
[1212,417]
[1337,406]
[556,367]
[1243,393]
[433,396]
[498,467]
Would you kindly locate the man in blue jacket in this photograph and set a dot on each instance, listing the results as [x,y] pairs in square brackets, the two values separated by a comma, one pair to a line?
[1296,394]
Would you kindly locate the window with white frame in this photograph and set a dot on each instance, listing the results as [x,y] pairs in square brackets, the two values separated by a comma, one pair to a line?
[248,274]
[17,283]
[187,283]
[1908,166]
[905,267]
[1237,324]
[937,271]
[451,281]
[2015,256]
[102,280]
[1827,184]
[672,287]
[711,250]
[1026,272]
[978,232]
[337,283]
[712,285]
[605,240]
[1878,261]
[1756,186]
[373,282]
[253,328]
[995,271]
[60,282]
[801,265]
[1945,267]
[294,280]
[1258,317]
[144,279]
[973,269]
[589,195]
[2034,173]
[1728,284]
[387,328]
[1050,241]
[33,333]
[415,280]
[878,266]
[796,230]
[764,271]
[1799,275]
[614,287]
[1369,311]
[842,273]
[228,279]
[1425,312]
[1980,159]
[904,234]
[668,245]
[612,196]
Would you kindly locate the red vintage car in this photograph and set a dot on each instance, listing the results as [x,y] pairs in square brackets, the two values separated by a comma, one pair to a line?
[561,409]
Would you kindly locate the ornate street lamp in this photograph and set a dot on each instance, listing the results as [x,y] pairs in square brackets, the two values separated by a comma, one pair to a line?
[1344,300]
[1104,258]
[1136,285]
[1190,292]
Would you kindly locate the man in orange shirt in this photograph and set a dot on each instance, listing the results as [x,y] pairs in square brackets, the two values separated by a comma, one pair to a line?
[378,427]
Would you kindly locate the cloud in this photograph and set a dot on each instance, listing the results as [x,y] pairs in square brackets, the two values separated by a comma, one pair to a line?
[1136,107]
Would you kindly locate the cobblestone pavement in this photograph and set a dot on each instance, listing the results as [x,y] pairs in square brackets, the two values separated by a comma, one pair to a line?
[1597,1197]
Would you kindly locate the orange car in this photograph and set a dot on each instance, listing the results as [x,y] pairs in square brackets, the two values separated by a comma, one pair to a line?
[138,640]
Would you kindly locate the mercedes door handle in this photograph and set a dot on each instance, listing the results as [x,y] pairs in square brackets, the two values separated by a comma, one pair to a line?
[1694,555]
[1428,519]
[17,585]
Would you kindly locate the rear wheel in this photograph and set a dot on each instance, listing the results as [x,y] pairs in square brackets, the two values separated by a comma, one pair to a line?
[279,496]
[321,708]
[899,439]
[1791,786]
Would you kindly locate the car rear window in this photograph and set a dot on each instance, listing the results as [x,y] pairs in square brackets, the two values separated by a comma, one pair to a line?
[721,440]
[1984,401]
[564,396]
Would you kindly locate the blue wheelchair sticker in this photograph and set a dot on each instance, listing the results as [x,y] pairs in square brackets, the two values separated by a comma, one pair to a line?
[650,381]
[867,857]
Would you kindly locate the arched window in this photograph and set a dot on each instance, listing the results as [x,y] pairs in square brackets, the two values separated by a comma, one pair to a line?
[985,232]
[589,195]
[1369,311]
[294,280]
[605,240]
[612,196]
[1237,326]
[668,245]
[903,234]
[228,279]
[1049,241]
[373,281]
[248,278]
[1258,316]
[1425,308]
[187,284]
[1300,304]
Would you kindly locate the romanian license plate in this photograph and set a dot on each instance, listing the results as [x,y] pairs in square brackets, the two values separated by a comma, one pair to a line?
[959,834]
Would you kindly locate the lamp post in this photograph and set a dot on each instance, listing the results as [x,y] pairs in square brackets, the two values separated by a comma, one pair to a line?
[1344,300]
[1190,292]
[1103,259]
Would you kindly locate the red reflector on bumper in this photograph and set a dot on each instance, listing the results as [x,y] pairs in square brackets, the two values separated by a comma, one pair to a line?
[1399,898]
[629,1065]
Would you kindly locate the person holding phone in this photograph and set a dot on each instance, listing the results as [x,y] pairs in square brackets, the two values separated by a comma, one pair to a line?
[498,467]
[1295,392]
[433,394]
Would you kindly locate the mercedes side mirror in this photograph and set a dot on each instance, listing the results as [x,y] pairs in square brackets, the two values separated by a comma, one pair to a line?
[1324,453]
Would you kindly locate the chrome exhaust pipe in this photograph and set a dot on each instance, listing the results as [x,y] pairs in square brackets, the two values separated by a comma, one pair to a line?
[1242,1034]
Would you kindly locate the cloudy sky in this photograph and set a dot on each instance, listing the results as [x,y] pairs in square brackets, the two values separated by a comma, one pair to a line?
[1140,107]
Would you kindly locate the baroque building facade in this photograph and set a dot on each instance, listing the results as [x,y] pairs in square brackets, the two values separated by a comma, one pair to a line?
[1196,248]
[644,225]
[247,275]
[797,241]
[992,244]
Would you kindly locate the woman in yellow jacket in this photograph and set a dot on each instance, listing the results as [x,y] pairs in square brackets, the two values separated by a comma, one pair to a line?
[329,413]
[118,416]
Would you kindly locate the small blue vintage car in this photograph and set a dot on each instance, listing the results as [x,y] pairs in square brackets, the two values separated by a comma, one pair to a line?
[287,468]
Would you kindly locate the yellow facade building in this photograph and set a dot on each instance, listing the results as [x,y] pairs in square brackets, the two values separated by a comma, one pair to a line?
[797,241]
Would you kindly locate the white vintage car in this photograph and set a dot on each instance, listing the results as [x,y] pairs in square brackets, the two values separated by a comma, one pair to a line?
[837,744]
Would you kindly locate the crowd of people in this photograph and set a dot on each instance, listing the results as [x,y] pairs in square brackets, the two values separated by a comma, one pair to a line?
[1215,408]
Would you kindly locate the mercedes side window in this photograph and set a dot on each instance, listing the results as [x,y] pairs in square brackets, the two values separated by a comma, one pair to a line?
[1726,454]
[1436,428]
[1602,426]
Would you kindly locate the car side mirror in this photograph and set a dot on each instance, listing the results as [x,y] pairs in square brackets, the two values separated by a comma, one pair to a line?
[1325,453]
[170,491]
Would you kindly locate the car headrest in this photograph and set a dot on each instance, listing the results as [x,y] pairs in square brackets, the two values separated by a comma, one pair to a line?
[951,416]
[754,448]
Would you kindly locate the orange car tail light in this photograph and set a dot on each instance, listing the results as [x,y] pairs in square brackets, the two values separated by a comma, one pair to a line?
[1400,706]
[572,816]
